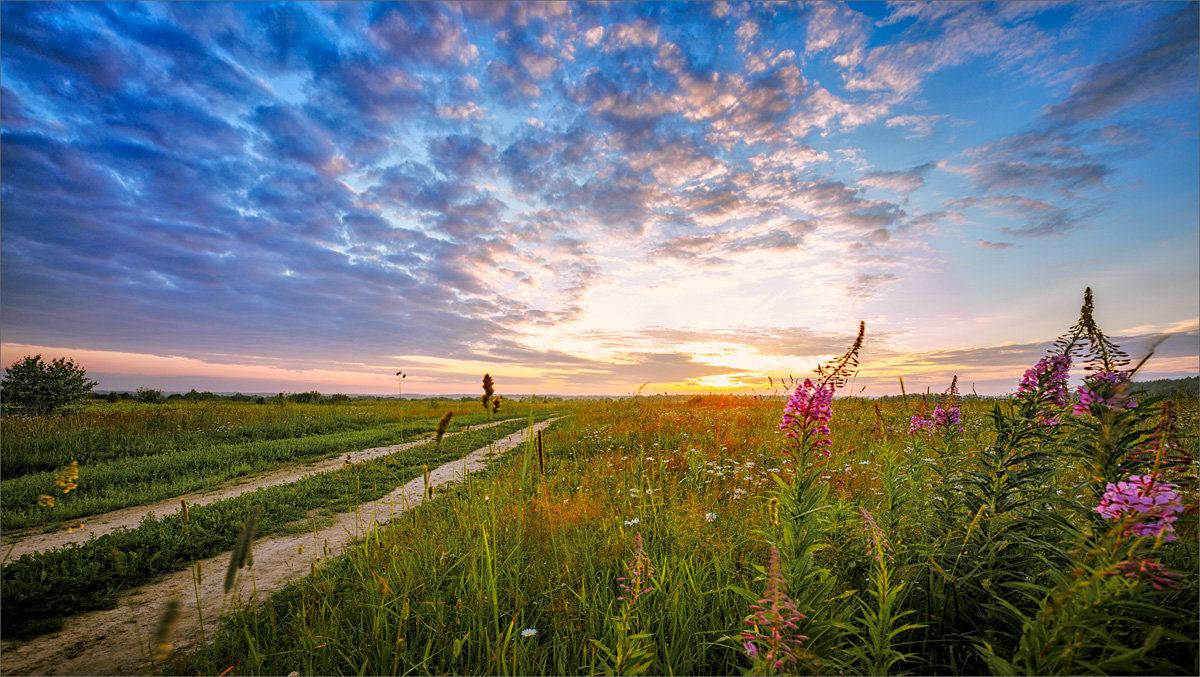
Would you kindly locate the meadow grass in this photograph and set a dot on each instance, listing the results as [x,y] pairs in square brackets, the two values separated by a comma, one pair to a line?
[112,483]
[982,555]
[103,431]
[40,589]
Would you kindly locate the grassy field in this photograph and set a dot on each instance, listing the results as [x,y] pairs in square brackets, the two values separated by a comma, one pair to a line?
[796,533]
[647,544]
[130,454]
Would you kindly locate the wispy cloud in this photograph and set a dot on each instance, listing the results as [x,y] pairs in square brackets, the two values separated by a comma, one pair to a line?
[344,184]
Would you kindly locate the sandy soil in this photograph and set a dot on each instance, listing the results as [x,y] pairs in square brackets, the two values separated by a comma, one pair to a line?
[114,642]
[21,543]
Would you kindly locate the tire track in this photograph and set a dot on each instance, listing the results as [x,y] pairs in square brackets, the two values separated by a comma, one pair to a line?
[111,642]
[14,546]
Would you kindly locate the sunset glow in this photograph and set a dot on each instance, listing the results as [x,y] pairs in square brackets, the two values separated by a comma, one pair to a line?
[581,199]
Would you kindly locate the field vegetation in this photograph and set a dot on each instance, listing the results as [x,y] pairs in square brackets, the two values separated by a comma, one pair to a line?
[1050,532]
[1047,533]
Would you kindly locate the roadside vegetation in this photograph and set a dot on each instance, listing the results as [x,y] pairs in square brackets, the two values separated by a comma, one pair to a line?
[40,589]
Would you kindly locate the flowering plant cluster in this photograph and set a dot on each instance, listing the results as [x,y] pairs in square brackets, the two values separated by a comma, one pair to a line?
[1154,504]
[1148,570]
[1046,383]
[878,543]
[807,414]
[942,419]
[1105,388]
[774,638]
[639,573]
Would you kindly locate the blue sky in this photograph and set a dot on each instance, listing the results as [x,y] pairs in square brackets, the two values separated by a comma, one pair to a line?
[583,198]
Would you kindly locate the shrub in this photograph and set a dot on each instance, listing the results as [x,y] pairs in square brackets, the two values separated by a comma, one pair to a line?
[33,387]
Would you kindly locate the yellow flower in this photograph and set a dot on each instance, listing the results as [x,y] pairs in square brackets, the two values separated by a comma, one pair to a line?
[46,501]
[65,478]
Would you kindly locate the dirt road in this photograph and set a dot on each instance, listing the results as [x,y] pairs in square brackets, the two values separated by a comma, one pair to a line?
[129,518]
[114,642]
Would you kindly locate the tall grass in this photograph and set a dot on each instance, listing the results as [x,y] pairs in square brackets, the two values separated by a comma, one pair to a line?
[519,572]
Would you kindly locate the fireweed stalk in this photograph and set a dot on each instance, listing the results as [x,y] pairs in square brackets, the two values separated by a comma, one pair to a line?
[630,654]
[809,409]
[1044,388]
[775,641]
[1105,389]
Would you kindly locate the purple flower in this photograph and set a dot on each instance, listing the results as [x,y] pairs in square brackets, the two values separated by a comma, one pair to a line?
[807,414]
[1152,505]
[943,419]
[774,619]
[1046,382]
[879,542]
[639,571]
[1104,388]
[1148,570]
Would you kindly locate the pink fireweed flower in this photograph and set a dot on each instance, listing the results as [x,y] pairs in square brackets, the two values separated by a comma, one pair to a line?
[807,414]
[774,620]
[1148,570]
[1105,388]
[943,419]
[1047,382]
[639,572]
[1154,505]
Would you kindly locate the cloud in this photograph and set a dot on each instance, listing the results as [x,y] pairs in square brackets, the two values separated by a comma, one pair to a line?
[420,32]
[902,183]
[1161,62]
[921,125]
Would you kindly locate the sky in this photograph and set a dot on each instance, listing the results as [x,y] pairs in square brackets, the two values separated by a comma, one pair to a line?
[586,198]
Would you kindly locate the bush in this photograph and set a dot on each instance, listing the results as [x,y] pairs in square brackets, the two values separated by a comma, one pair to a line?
[150,396]
[33,387]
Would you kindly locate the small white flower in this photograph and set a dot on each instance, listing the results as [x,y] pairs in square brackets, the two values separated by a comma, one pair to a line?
[632,521]
[528,632]
[710,516]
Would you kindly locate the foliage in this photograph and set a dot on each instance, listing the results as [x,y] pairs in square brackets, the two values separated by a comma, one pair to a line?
[32,387]
[149,396]
[41,588]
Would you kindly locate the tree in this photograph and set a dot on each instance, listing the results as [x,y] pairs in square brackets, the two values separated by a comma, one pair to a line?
[150,396]
[33,387]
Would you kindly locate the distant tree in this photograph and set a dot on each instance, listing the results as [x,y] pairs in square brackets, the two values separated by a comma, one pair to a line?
[33,387]
[149,396]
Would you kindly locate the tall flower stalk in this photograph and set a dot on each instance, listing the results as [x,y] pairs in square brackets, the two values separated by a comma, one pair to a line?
[809,409]
[775,640]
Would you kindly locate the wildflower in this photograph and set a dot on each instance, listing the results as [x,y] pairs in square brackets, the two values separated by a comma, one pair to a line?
[710,516]
[46,501]
[807,414]
[1152,504]
[639,572]
[66,478]
[879,541]
[1106,389]
[1047,379]
[528,632]
[632,521]
[1148,570]
[774,621]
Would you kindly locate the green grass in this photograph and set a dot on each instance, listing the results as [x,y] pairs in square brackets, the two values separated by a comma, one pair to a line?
[147,478]
[40,589]
[993,556]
